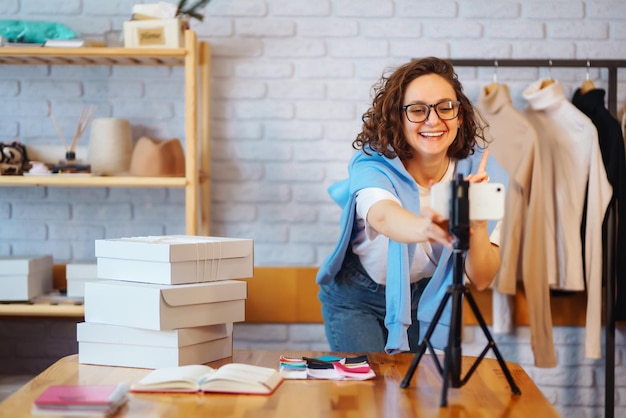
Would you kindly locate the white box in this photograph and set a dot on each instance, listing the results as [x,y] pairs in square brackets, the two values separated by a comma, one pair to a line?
[154,33]
[181,272]
[164,307]
[175,259]
[25,265]
[81,271]
[115,334]
[77,275]
[153,357]
[23,287]
[25,277]
[111,345]
[76,287]
[171,248]
[141,356]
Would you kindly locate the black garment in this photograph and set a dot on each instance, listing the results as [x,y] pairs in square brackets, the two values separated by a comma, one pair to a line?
[611,144]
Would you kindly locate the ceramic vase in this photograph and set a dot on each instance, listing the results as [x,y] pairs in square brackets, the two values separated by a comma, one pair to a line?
[110,146]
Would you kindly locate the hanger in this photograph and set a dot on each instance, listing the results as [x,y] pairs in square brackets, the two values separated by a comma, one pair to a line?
[545,83]
[587,84]
[491,87]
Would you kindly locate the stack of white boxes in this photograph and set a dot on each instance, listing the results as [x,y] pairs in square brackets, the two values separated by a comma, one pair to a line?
[164,301]
[25,278]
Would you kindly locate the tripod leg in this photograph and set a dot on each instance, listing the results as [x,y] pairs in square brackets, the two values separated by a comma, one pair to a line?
[422,347]
[409,374]
[453,350]
[492,344]
[453,354]
[446,378]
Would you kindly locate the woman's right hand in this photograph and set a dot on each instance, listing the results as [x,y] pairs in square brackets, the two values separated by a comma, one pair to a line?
[437,227]
[387,217]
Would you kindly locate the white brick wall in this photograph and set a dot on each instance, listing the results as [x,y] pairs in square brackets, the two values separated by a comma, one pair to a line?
[291,79]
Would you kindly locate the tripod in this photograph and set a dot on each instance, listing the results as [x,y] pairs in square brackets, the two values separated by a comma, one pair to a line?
[451,370]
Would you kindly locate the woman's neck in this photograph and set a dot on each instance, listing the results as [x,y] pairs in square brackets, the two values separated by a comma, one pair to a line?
[425,172]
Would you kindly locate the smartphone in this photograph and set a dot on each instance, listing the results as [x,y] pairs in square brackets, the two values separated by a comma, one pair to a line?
[486,200]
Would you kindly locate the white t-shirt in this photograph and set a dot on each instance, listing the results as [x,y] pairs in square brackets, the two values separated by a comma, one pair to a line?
[371,246]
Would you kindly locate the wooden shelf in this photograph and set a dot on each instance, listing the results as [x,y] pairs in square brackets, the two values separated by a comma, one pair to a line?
[92,56]
[42,310]
[195,58]
[92,181]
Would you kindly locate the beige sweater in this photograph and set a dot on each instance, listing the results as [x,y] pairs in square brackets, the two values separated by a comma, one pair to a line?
[515,146]
[573,176]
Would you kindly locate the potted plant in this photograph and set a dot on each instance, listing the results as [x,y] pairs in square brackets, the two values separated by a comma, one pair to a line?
[186,12]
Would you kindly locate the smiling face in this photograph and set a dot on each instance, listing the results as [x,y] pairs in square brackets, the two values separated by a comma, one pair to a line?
[431,138]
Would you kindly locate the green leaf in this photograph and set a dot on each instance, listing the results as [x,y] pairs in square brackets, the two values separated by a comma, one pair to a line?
[196,15]
[192,10]
[181,4]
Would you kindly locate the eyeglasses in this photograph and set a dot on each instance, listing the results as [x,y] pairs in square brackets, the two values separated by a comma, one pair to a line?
[446,110]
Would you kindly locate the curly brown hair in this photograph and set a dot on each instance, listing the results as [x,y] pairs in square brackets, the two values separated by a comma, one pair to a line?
[382,123]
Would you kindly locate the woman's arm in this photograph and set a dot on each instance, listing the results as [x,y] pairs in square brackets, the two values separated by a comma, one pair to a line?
[387,217]
[482,260]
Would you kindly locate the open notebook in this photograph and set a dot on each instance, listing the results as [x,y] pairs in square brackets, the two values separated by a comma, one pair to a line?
[229,378]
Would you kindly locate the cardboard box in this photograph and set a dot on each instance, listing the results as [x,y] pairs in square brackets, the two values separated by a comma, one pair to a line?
[77,275]
[164,307]
[111,345]
[24,278]
[175,259]
[154,33]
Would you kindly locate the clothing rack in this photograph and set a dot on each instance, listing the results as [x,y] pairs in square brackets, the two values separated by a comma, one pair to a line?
[611,65]
[609,269]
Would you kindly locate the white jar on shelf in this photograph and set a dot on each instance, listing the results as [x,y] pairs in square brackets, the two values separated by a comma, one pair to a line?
[110,146]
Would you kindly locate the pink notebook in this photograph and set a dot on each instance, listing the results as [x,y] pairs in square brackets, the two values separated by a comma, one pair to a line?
[95,398]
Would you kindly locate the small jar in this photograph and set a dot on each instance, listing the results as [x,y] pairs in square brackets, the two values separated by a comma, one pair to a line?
[71,165]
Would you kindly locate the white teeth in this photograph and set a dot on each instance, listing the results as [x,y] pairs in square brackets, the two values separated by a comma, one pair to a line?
[432,133]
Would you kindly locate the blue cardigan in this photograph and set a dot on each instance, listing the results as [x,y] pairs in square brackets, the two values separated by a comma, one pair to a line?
[390,174]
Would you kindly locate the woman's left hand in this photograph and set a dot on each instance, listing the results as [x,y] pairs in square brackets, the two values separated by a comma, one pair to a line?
[481,175]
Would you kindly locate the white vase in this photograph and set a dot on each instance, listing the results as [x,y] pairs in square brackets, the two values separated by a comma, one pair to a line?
[110,146]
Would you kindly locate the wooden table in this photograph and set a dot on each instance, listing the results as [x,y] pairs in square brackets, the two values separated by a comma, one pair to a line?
[486,394]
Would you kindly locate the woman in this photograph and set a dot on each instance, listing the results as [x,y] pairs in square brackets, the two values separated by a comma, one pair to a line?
[420,130]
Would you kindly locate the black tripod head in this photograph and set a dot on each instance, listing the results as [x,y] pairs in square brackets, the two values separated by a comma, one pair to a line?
[459,212]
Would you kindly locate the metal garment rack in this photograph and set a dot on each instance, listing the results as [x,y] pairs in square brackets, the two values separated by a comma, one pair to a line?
[611,65]
[609,269]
